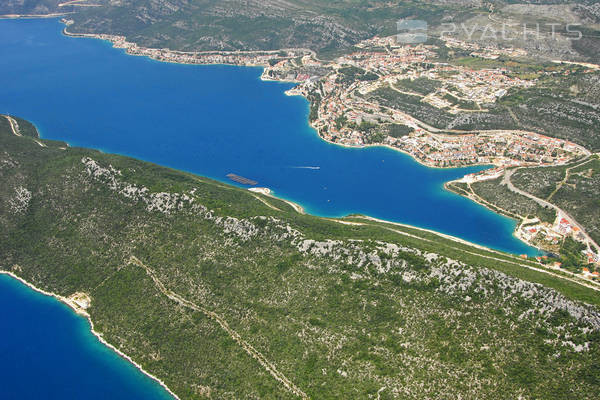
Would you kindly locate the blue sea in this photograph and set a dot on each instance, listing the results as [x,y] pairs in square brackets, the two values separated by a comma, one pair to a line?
[48,352]
[209,120]
[215,120]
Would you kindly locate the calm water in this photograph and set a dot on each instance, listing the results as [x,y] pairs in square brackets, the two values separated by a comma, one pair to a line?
[48,352]
[210,120]
[213,120]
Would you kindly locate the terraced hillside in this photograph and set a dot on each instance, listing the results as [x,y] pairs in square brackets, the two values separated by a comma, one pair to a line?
[225,293]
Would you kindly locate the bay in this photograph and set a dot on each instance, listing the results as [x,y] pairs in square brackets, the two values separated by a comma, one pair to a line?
[214,120]
[209,120]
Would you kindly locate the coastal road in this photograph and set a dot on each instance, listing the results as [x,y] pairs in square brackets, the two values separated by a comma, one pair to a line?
[506,180]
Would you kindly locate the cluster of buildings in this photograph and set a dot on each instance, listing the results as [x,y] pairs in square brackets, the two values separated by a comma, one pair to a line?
[344,106]
[242,58]
[479,86]
[500,148]
[551,236]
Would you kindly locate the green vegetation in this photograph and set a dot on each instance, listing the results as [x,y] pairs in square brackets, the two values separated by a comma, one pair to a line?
[26,128]
[463,104]
[349,75]
[571,256]
[578,193]
[340,310]
[329,27]
[398,130]
[498,194]
[560,105]
[421,85]
[517,68]
[412,105]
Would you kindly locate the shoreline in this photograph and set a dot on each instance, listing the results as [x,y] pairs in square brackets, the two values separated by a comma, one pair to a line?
[519,221]
[119,42]
[113,39]
[133,49]
[81,312]
[33,16]
[269,193]
[512,258]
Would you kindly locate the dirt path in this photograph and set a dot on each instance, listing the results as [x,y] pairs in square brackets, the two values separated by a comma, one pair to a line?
[79,3]
[543,270]
[267,192]
[266,364]
[566,178]
[14,126]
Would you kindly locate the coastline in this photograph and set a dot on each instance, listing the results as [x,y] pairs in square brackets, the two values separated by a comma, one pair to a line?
[574,278]
[133,49]
[81,312]
[260,59]
[268,192]
[174,56]
[33,16]
[519,221]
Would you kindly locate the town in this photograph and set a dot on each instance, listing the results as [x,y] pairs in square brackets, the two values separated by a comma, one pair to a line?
[344,112]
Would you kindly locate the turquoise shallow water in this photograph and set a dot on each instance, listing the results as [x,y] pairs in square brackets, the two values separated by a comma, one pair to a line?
[48,352]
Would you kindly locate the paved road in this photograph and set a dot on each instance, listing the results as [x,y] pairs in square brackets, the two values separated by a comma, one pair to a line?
[506,180]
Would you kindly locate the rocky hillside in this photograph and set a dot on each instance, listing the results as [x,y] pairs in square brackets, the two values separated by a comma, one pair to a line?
[224,293]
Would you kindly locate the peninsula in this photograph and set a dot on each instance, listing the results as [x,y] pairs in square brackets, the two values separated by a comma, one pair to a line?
[220,292]
[248,298]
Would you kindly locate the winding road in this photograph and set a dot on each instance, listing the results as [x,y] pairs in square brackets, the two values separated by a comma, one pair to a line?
[544,203]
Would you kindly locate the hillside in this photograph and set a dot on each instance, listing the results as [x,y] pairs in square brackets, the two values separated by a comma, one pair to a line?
[574,188]
[557,208]
[327,27]
[225,293]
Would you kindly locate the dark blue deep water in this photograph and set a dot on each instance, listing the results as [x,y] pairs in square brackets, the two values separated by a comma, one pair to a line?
[48,352]
[209,120]
[213,120]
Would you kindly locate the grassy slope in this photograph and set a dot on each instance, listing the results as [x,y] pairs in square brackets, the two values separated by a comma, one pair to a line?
[335,326]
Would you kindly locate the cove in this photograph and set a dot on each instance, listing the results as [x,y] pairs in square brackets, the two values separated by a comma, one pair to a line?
[215,120]
[48,352]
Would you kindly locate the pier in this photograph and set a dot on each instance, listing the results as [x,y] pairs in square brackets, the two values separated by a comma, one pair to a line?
[242,180]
